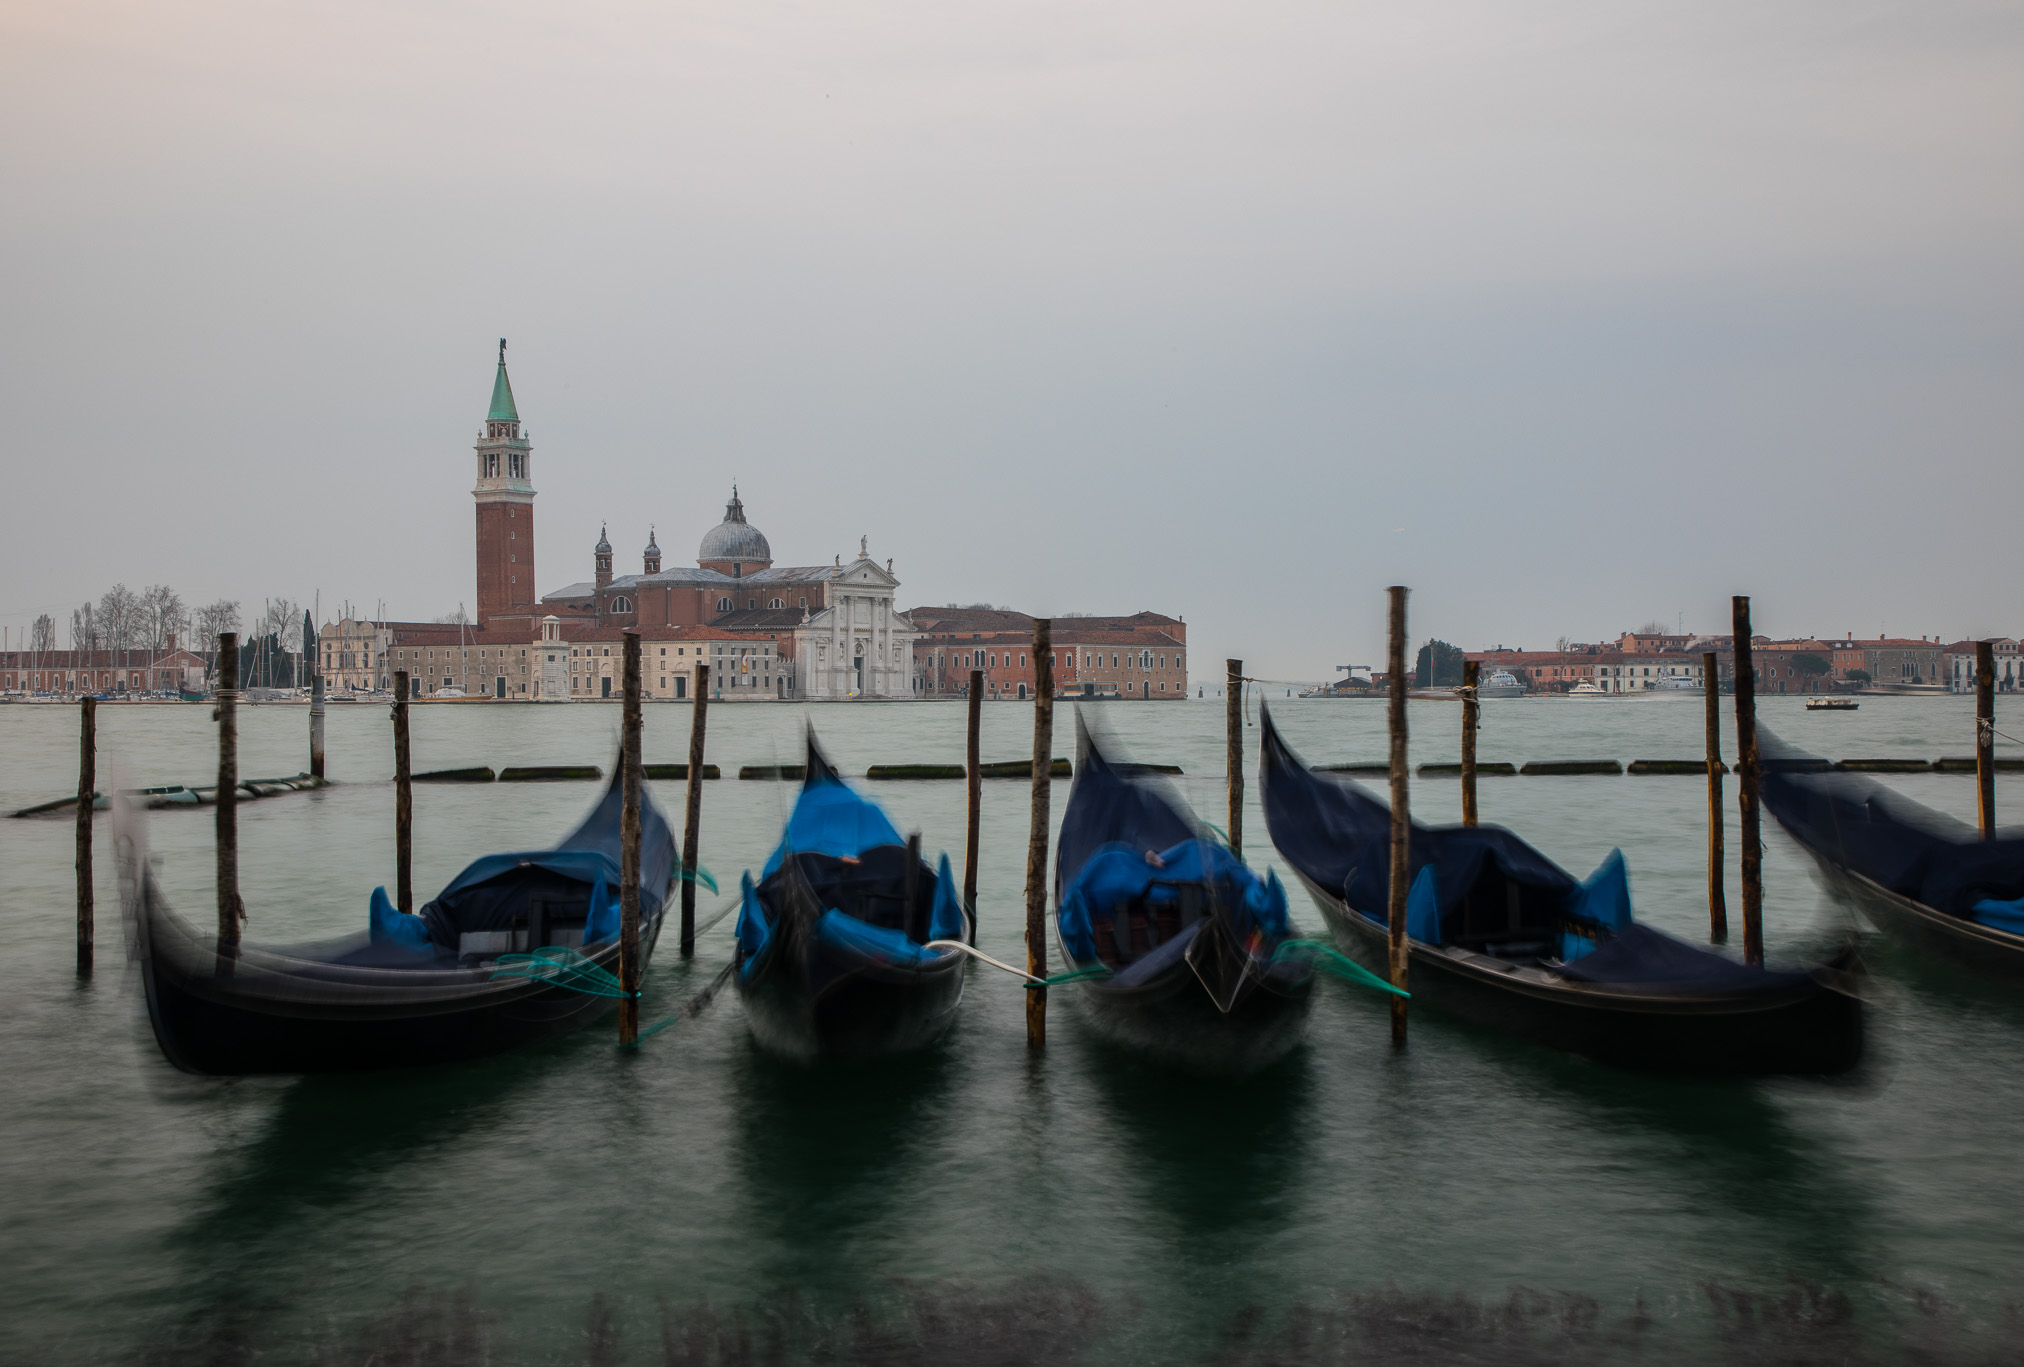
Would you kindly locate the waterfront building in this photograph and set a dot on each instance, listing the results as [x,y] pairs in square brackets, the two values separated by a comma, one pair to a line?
[114,673]
[1899,660]
[1957,665]
[1141,656]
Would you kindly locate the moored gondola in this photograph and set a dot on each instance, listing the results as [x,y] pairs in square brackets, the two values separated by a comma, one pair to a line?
[1921,877]
[833,954]
[1499,934]
[1182,944]
[409,991]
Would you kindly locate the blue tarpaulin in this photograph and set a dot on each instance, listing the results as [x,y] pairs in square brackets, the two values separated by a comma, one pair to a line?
[1117,877]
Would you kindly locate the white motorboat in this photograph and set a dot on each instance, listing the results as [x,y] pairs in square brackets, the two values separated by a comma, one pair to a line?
[1502,684]
[1585,689]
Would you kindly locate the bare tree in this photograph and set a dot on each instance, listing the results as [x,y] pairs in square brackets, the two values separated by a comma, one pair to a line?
[1561,645]
[1652,628]
[284,619]
[83,629]
[42,636]
[211,619]
[455,618]
[161,614]
[119,618]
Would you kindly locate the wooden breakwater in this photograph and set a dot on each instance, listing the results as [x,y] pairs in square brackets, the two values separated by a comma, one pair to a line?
[172,795]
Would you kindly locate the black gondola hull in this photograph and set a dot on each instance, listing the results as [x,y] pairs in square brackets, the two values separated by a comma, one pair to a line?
[1814,1030]
[203,1032]
[1980,949]
[1172,1021]
[866,1010]
[227,1026]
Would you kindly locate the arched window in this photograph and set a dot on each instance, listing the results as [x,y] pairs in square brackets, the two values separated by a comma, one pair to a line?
[723,605]
[621,603]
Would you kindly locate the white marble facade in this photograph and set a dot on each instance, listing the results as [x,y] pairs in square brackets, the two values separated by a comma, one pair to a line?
[858,647]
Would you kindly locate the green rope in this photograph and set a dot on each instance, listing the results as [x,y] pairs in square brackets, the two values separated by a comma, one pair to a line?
[698,875]
[1326,955]
[561,966]
[1072,976]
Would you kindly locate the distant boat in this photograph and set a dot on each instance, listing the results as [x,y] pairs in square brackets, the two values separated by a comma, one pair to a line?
[451,692]
[1585,689]
[1502,684]
[1831,704]
[1676,683]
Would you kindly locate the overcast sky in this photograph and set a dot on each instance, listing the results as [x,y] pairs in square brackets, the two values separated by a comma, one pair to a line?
[1568,315]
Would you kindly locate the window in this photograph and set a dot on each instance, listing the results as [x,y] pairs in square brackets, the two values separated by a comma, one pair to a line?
[723,605]
[621,603]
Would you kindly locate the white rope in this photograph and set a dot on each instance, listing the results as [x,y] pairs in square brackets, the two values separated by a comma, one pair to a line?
[979,954]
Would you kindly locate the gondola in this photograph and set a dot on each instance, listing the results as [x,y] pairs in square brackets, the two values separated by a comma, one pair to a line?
[1500,935]
[410,990]
[1921,877]
[1182,943]
[833,955]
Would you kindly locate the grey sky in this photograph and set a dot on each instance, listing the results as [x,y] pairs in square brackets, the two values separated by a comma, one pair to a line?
[1568,315]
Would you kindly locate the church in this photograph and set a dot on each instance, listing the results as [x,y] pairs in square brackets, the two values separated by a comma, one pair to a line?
[769,632]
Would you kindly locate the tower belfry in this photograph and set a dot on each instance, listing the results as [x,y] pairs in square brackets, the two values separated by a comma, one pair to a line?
[505,498]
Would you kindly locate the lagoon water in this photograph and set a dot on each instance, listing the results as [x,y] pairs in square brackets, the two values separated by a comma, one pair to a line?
[1469,1198]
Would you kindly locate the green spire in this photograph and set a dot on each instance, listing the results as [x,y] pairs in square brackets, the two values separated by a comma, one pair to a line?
[502,393]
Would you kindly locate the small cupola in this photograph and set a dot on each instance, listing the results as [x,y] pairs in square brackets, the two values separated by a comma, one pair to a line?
[603,554]
[652,554]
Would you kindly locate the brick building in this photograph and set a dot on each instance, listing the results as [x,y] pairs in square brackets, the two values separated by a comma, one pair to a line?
[113,673]
[1141,656]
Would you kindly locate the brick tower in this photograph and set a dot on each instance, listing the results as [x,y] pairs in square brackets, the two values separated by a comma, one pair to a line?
[505,495]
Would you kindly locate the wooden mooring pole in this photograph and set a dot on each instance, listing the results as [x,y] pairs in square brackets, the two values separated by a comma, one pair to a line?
[1748,774]
[1718,897]
[404,802]
[1233,749]
[973,786]
[692,819]
[1401,816]
[231,911]
[1037,830]
[1472,671]
[629,850]
[87,791]
[316,725]
[1985,738]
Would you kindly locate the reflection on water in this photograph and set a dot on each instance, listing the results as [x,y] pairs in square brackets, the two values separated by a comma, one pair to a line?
[827,1150]
[1212,1156]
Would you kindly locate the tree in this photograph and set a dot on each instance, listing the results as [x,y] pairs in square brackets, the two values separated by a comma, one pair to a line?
[1439,665]
[119,618]
[42,636]
[1860,676]
[210,620]
[1810,666]
[83,630]
[160,617]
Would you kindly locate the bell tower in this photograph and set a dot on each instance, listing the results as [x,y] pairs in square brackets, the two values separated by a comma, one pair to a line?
[505,497]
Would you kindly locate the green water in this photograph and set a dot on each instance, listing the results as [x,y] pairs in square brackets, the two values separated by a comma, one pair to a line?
[1469,1198]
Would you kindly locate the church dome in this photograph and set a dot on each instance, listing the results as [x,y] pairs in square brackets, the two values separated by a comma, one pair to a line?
[734,538]
[652,549]
[603,542]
